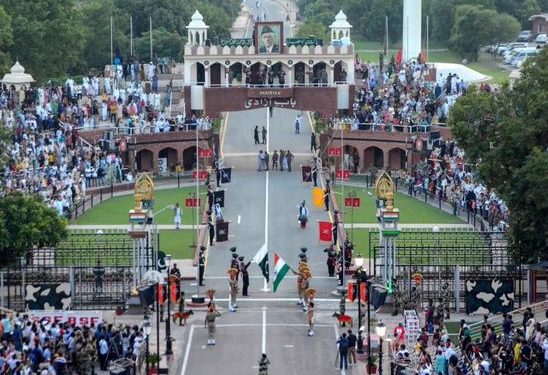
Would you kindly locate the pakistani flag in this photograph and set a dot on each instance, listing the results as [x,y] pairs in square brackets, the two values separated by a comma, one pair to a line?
[261,258]
[280,269]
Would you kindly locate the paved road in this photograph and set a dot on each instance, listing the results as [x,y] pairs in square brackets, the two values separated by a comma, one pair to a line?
[261,208]
[273,10]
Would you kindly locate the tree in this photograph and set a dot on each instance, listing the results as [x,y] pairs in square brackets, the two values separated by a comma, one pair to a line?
[6,39]
[26,222]
[165,44]
[506,134]
[476,26]
[48,35]
[312,28]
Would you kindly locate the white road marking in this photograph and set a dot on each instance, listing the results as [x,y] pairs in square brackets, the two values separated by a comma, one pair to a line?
[277,300]
[239,218]
[269,324]
[187,351]
[228,154]
[289,346]
[223,131]
[261,277]
[264,330]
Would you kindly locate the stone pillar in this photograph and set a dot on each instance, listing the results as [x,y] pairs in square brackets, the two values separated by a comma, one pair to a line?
[227,83]
[331,77]
[290,77]
[385,159]
[411,40]
[244,77]
[306,80]
[207,78]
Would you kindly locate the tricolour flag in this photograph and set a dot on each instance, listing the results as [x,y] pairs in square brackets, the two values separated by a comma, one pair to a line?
[261,258]
[280,269]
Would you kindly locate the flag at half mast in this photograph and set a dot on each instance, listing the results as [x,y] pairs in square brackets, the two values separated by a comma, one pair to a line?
[280,270]
[261,258]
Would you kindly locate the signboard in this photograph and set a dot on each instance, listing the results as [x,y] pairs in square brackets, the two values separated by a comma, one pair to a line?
[269,93]
[229,42]
[343,175]
[204,153]
[334,151]
[299,42]
[76,318]
[202,176]
[192,202]
[352,202]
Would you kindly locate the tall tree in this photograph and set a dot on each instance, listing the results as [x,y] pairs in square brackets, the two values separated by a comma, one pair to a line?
[26,222]
[48,35]
[6,39]
[311,28]
[506,134]
[476,26]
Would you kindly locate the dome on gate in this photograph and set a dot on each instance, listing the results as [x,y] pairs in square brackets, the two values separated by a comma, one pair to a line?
[197,21]
[340,21]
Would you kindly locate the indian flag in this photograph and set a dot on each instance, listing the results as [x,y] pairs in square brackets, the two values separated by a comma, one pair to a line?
[280,269]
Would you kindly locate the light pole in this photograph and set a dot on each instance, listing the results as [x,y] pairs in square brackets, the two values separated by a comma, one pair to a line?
[147,329]
[169,349]
[368,283]
[359,275]
[381,332]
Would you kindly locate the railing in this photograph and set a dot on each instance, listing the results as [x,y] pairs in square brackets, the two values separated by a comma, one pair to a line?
[265,85]
[387,128]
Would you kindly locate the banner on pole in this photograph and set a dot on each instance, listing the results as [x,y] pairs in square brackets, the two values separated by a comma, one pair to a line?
[199,175]
[226,175]
[222,231]
[352,202]
[317,196]
[204,153]
[334,151]
[325,231]
[343,175]
[192,202]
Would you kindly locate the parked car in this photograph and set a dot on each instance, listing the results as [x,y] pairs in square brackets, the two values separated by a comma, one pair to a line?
[522,56]
[524,36]
[541,39]
[510,46]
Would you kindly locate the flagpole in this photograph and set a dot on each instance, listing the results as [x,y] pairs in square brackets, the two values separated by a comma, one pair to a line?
[265,283]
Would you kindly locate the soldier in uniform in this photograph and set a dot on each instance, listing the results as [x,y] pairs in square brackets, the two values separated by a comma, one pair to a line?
[86,358]
[415,300]
[234,261]
[209,323]
[398,299]
[245,275]
[438,317]
[310,318]
[342,305]
[201,266]
[211,230]
[263,365]
[233,285]
[331,260]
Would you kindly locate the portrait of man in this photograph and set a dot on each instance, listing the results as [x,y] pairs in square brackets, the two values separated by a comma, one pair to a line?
[269,37]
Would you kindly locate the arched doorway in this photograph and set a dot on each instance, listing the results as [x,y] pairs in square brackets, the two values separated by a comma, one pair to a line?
[373,157]
[171,155]
[235,73]
[300,72]
[200,73]
[215,74]
[144,161]
[320,74]
[396,159]
[189,158]
[257,74]
[339,73]
[351,159]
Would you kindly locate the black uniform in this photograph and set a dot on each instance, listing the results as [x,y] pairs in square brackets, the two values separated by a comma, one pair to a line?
[210,199]
[334,228]
[218,175]
[211,228]
[315,174]
[326,193]
[201,266]
[331,261]
[245,277]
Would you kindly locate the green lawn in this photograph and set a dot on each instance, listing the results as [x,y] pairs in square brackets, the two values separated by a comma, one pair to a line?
[412,210]
[177,243]
[115,210]
[369,51]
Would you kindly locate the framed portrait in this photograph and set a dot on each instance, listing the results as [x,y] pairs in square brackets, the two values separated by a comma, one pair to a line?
[269,37]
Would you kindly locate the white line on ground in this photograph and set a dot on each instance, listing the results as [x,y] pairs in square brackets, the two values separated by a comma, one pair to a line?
[264,330]
[187,351]
[229,154]
[269,325]
[277,300]
[261,277]
[239,218]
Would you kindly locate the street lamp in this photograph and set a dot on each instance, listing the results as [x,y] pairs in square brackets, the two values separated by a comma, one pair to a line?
[147,329]
[381,332]
[169,349]
[359,275]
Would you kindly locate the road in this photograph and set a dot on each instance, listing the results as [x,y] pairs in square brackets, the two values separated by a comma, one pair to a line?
[261,208]
[273,10]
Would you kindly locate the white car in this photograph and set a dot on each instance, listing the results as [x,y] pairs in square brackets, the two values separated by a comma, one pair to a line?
[522,56]
[541,39]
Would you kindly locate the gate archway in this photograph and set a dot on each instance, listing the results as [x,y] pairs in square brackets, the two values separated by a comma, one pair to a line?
[144,160]
[373,157]
[189,158]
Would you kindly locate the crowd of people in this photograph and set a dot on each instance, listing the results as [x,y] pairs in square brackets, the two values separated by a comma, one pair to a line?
[515,349]
[32,346]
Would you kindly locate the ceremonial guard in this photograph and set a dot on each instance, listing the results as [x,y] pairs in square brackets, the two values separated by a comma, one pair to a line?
[263,365]
[415,300]
[201,266]
[398,299]
[335,226]
[303,282]
[233,285]
[310,293]
[326,193]
[245,275]
[209,323]
[234,261]
[331,260]
[210,198]
[211,229]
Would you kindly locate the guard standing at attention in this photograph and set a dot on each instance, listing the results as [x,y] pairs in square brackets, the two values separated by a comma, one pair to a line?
[211,229]
[245,275]
[201,266]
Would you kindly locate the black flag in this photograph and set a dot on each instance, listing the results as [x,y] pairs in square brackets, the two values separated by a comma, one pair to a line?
[226,174]
[222,231]
[306,173]
[219,198]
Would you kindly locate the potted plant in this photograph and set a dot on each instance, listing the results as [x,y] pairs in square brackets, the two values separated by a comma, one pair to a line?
[372,364]
[153,360]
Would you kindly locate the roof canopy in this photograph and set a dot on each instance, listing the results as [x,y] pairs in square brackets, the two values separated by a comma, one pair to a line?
[17,76]
[340,21]
[197,22]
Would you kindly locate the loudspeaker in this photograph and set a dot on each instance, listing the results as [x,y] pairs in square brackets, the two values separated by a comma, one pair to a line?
[146,295]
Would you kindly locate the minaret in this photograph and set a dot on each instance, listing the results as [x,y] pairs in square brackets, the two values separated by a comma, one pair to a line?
[340,28]
[412,21]
[197,30]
